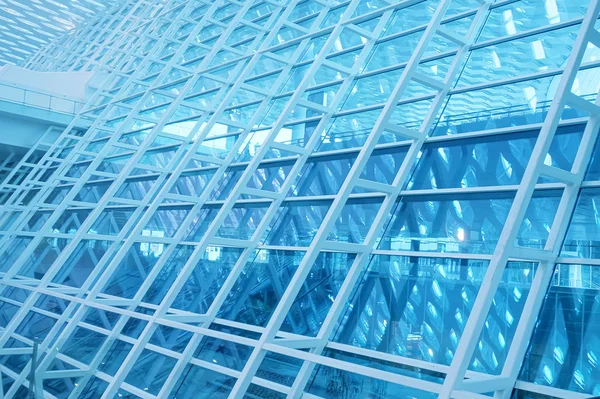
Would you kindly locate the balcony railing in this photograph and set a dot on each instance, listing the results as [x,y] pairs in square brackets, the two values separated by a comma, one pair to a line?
[36,99]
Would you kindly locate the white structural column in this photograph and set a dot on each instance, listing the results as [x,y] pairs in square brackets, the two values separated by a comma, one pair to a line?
[506,248]
[353,180]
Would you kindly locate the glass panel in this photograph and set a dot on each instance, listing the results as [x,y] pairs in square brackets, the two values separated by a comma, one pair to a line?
[206,279]
[583,233]
[200,383]
[258,289]
[417,307]
[564,350]
[448,223]
[150,371]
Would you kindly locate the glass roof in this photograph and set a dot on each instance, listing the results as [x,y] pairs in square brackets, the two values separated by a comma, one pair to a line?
[27,25]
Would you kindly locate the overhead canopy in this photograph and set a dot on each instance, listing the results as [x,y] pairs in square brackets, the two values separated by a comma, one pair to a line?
[27,25]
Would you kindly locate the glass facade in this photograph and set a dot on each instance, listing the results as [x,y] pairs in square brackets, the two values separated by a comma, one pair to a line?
[28,25]
[312,198]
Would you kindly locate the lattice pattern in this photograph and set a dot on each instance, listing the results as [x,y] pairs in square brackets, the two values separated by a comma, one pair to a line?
[313,199]
[25,26]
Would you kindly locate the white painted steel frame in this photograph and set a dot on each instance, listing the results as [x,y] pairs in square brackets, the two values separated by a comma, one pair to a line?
[271,339]
[505,248]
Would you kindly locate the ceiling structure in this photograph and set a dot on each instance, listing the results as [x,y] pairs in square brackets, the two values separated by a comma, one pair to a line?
[268,199]
[27,25]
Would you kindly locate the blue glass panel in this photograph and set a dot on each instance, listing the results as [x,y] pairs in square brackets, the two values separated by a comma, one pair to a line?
[82,262]
[14,249]
[261,284]
[7,383]
[134,327]
[15,363]
[57,195]
[538,219]
[371,90]
[448,223]
[200,222]
[111,221]
[297,223]
[43,257]
[583,234]
[209,275]
[200,383]
[417,307]
[532,54]
[94,389]
[16,294]
[260,392]
[60,386]
[315,45]
[168,273]
[10,220]
[7,312]
[166,221]
[279,368]
[223,353]
[322,176]
[50,304]
[242,221]
[101,318]
[349,131]
[528,14]
[83,345]
[355,220]
[170,338]
[297,74]
[270,178]
[92,192]
[383,165]
[593,172]
[564,350]
[411,114]
[333,16]
[317,293]
[333,383]
[69,221]
[518,394]
[393,52]
[131,272]
[115,356]
[136,189]
[411,17]
[502,320]
[150,371]
[489,160]
[35,326]
[516,104]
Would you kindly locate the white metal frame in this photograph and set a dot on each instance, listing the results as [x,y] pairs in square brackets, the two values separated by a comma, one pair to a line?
[137,25]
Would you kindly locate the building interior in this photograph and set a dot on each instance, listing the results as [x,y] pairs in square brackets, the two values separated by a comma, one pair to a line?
[265,199]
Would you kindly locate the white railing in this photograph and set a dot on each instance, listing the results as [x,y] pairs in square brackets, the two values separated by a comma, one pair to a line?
[36,99]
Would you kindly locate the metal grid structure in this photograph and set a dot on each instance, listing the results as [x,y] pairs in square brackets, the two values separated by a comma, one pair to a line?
[28,25]
[349,199]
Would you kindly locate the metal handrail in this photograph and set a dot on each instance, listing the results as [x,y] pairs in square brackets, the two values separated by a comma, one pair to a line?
[32,98]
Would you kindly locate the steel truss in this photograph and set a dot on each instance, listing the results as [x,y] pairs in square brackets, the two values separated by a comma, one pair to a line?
[152,83]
